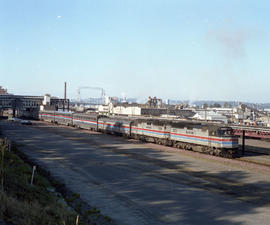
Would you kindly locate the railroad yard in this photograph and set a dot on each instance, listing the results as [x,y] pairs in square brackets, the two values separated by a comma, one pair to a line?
[138,183]
[135,113]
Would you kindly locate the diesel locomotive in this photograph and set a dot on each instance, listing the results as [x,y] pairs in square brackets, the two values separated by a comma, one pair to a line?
[213,139]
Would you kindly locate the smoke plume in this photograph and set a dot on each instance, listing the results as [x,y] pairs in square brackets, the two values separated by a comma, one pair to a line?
[231,40]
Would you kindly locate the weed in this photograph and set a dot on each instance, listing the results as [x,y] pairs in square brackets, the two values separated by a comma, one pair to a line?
[25,204]
[108,218]
[73,198]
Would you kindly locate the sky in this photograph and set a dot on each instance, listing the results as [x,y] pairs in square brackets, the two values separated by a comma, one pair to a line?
[177,49]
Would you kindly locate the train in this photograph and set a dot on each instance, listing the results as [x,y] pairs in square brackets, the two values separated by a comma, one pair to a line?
[213,139]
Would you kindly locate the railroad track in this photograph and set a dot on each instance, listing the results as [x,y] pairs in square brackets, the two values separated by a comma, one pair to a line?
[253,162]
[258,152]
[250,162]
[250,157]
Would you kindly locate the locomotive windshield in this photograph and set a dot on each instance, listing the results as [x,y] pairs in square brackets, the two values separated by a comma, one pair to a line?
[225,131]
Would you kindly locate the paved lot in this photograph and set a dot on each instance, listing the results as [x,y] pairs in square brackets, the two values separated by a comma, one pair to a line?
[137,183]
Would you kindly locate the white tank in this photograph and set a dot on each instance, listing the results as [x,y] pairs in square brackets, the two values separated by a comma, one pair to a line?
[47,100]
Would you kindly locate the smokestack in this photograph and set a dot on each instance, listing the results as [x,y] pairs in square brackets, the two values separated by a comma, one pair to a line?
[65,92]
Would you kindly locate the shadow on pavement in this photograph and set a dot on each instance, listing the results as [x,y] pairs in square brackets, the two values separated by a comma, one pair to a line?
[144,180]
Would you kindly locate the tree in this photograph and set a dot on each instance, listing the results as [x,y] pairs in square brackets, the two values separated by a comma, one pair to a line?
[243,107]
[217,105]
[227,105]
[205,105]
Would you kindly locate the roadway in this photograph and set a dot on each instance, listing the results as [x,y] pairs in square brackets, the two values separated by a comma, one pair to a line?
[140,183]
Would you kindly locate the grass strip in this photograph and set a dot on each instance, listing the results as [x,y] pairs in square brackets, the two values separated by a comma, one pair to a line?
[25,204]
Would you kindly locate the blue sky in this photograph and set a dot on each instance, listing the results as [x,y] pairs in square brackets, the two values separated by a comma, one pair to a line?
[178,49]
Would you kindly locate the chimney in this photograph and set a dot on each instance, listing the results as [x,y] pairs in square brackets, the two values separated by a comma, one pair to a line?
[65,91]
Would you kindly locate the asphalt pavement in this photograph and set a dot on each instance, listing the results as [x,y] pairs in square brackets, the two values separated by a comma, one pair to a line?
[137,183]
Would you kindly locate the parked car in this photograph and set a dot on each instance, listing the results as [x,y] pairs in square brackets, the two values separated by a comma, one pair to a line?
[26,122]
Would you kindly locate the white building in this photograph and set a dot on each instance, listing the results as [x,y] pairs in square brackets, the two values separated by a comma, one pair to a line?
[125,110]
[46,101]
[210,116]
[104,109]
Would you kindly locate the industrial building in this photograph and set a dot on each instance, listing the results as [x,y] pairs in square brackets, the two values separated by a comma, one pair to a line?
[210,116]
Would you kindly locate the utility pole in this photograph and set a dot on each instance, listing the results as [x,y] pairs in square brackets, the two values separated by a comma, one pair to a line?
[243,142]
[65,91]
[65,95]
[205,106]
